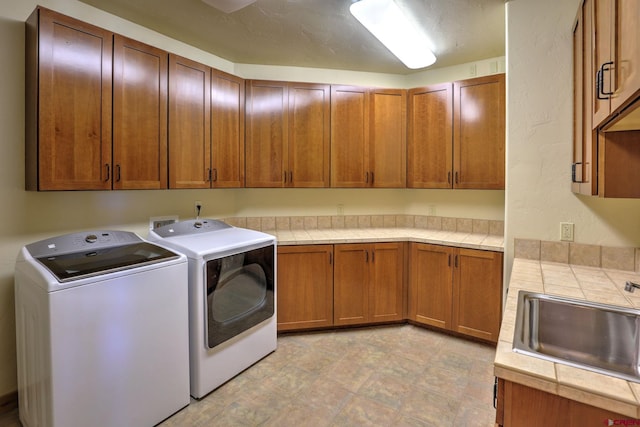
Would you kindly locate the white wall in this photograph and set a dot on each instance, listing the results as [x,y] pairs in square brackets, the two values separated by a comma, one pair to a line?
[29,216]
[539,134]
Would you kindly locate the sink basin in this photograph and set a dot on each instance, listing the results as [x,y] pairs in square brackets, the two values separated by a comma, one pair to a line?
[598,337]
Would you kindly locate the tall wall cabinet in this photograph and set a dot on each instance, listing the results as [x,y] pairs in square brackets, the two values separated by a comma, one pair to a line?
[68,104]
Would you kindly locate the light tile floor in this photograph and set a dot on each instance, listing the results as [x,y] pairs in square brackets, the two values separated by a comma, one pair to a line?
[399,375]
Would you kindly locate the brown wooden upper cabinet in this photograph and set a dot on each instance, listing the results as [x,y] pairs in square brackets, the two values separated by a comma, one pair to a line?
[227,130]
[68,104]
[368,140]
[189,124]
[140,105]
[616,56]
[457,134]
[479,132]
[606,57]
[206,126]
[287,134]
[430,137]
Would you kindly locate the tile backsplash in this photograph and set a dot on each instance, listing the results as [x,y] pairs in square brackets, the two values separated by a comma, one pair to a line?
[461,225]
[615,258]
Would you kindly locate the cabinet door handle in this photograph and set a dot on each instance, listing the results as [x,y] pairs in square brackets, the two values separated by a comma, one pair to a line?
[449,262]
[373,256]
[330,258]
[456,261]
[600,93]
[456,177]
[449,177]
[290,177]
[117,173]
[108,172]
[366,177]
[215,175]
[285,177]
[573,171]
[366,256]
[372,178]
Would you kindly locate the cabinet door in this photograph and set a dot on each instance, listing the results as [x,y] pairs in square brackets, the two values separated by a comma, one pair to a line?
[529,407]
[189,124]
[305,287]
[477,294]
[430,137]
[349,136]
[387,138]
[267,116]
[68,120]
[227,130]
[584,169]
[602,55]
[309,135]
[479,132]
[350,285]
[386,286]
[139,115]
[430,284]
[626,41]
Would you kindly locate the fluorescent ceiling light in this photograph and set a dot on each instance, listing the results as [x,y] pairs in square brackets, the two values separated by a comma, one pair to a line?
[228,6]
[385,20]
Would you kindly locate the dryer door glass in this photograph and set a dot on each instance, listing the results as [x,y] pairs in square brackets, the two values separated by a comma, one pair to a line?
[240,293]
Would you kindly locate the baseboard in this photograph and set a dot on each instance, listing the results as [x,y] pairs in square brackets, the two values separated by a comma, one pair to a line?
[8,402]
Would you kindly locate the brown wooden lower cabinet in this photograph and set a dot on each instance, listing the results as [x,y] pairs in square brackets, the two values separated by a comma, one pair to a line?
[305,287]
[368,283]
[457,289]
[523,406]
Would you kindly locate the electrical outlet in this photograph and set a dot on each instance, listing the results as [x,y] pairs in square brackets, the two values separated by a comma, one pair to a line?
[340,209]
[566,231]
[431,210]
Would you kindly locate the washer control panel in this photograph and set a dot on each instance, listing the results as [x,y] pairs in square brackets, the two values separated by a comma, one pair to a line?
[192,226]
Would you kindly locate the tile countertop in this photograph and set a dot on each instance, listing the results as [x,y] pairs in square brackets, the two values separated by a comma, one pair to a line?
[578,282]
[381,235]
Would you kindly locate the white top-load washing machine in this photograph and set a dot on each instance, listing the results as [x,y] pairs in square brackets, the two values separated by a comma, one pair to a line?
[232,297]
[102,331]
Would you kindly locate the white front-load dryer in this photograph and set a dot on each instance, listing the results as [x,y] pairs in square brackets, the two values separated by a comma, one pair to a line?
[101,331]
[232,297]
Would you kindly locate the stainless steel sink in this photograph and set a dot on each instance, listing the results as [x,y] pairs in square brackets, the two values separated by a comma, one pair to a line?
[598,337]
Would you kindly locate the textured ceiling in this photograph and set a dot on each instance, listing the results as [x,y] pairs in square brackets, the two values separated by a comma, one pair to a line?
[319,33]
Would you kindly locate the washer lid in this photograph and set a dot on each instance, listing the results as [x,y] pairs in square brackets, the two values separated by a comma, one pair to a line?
[79,255]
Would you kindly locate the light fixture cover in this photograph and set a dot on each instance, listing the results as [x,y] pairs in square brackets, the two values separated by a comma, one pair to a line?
[385,20]
[228,6]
